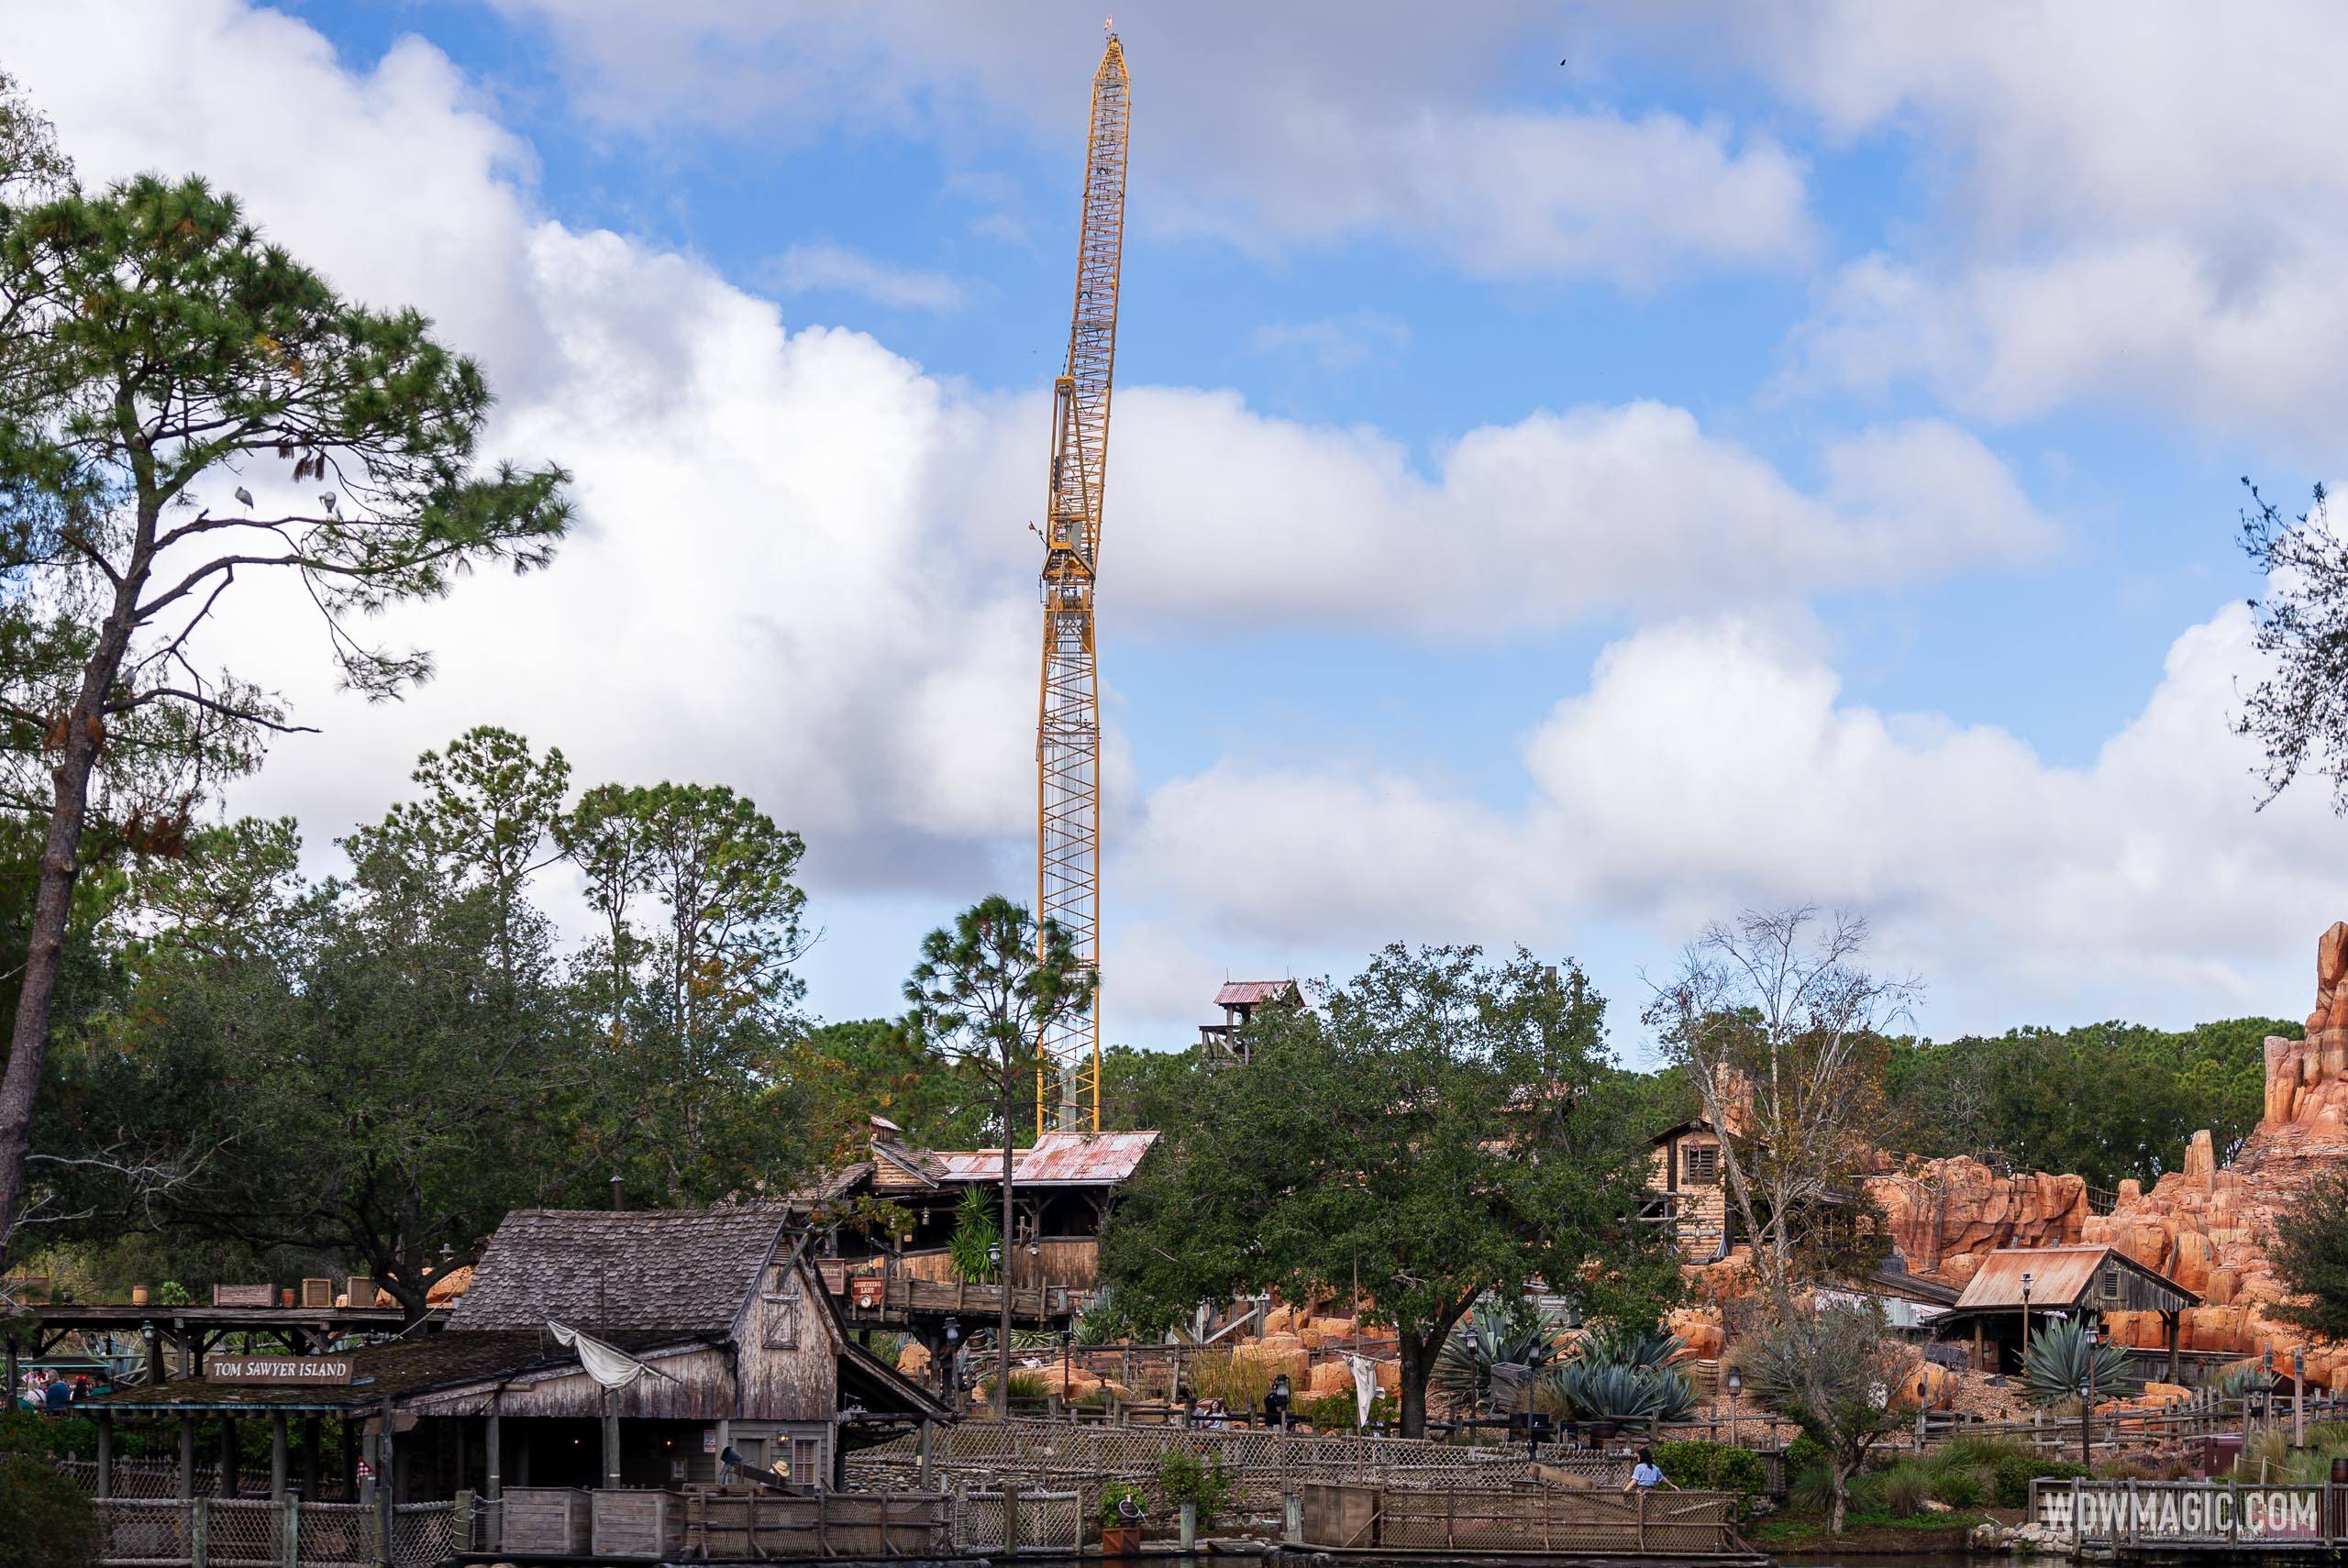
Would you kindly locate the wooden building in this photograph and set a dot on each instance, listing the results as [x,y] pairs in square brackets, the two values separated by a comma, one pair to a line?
[1227,1042]
[1687,1195]
[1063,1186]
[2029,1285]
[723,1308]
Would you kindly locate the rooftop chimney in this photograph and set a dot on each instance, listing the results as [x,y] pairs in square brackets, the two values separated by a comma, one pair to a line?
[618,1202]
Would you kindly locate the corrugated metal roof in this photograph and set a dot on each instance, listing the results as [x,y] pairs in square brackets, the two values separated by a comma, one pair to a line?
[1249,993]
[1056,1159]
[2059,1277]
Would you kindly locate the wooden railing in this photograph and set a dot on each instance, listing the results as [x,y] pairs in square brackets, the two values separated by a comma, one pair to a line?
[1489,1519]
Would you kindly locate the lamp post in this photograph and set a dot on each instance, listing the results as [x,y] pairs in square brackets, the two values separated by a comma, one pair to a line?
[2086,1389]
[948,1382]
[1002,1334]
[2298,1395]
[2267,1387]
[1736,1387]
[2025,1321]
[1475,1343]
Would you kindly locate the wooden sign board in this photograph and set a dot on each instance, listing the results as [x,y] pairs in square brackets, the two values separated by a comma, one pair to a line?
[283,1370]
[244,1295]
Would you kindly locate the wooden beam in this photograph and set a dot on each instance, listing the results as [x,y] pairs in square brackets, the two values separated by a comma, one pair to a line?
[277,1467]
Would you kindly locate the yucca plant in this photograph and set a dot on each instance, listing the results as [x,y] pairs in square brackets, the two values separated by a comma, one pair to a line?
[975,1229]
[2056,1367]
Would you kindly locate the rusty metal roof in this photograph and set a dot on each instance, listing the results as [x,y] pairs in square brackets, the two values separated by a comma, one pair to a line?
[1249,993]
[2059,1277]
[1056,1159]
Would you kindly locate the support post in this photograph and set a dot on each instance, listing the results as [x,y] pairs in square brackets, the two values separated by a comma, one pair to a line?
[106,1452]
[277,1449]
[1010,1517]
[928,1455]
[11,1372]
[385,1455]
[611,1445]
[289,1540]
[187,1457]
[228,1481]
[495,1439]
[310,1457]
[199,1532]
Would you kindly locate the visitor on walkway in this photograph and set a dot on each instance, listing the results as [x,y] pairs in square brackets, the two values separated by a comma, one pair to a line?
[1647,1475]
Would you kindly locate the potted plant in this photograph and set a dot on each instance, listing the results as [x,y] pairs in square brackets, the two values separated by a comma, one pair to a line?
[1121,1507]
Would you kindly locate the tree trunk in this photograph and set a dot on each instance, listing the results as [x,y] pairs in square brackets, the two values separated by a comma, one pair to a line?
[83,732]
[1412,1350]
[1842,1498]
[1002,1274]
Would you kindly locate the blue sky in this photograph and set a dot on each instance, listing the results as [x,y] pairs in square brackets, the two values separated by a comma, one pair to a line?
[1771,457]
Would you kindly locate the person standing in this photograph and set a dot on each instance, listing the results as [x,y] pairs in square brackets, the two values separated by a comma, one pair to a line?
[1647,1475]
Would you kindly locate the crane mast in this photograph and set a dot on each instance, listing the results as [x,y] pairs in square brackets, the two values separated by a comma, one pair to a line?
[1067,728]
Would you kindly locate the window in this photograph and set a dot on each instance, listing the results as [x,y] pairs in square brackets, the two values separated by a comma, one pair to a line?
[780,1307]
[806,1458]
[1700,1166]
[2111,1285]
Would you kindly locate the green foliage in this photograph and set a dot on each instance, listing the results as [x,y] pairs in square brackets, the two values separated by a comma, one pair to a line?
[1702,1466]
[1512,1333]
[1499,1149]
[1341,1412]
[2153,1089]
[975,1229]
[1827,1367]
[45,1522]
[1184,1478]
[2310,1255]
[2007,1464]
[1239,1382]
[1804,1451]
[2057,1367]
[1960,1487]
[1810,1487]
[1906,1487]
[1621,1371]
[1114,1496]
[171,1293]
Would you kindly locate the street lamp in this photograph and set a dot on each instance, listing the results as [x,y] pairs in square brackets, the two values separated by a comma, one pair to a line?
[2298,1395]
[1475,1343]
[2086,1389]
[2025,1320]
[1736,1387]
[2266,1386]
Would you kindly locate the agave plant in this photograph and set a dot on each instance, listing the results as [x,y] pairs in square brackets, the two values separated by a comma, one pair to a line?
[2056,1368]
[1520,1335]
[1621,1372]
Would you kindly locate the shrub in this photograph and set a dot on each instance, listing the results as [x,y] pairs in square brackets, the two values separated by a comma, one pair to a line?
[2015,1472]
[45,1522]
[1113,1497]
[1804,1452]
[1023,1386]
[1702,1466]
[1810,1489]
[1240,1383]
[1960,1487]
[1184,1479]
[1336,1412]
[1905,1485]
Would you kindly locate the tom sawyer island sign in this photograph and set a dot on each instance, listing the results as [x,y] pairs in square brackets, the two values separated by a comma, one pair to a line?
[2184,1512]
[292,1371]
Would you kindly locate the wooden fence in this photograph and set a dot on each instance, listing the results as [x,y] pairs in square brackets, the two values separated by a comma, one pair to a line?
[2203,1415]
[222,1532]
[2171,1517]
[1350,1516]
[1262,1466]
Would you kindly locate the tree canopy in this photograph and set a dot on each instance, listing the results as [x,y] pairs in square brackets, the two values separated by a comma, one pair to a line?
[1440,1127]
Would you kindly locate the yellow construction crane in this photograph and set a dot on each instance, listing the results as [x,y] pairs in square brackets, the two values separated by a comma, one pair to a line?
[1068,726]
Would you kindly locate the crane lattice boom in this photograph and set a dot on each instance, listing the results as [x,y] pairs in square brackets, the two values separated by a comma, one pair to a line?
[1068,730]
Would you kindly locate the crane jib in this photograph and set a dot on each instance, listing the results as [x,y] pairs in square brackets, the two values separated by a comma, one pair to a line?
[1067,725]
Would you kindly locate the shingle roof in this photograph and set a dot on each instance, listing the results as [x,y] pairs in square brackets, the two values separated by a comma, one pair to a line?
[684,1271]
[392,1370]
